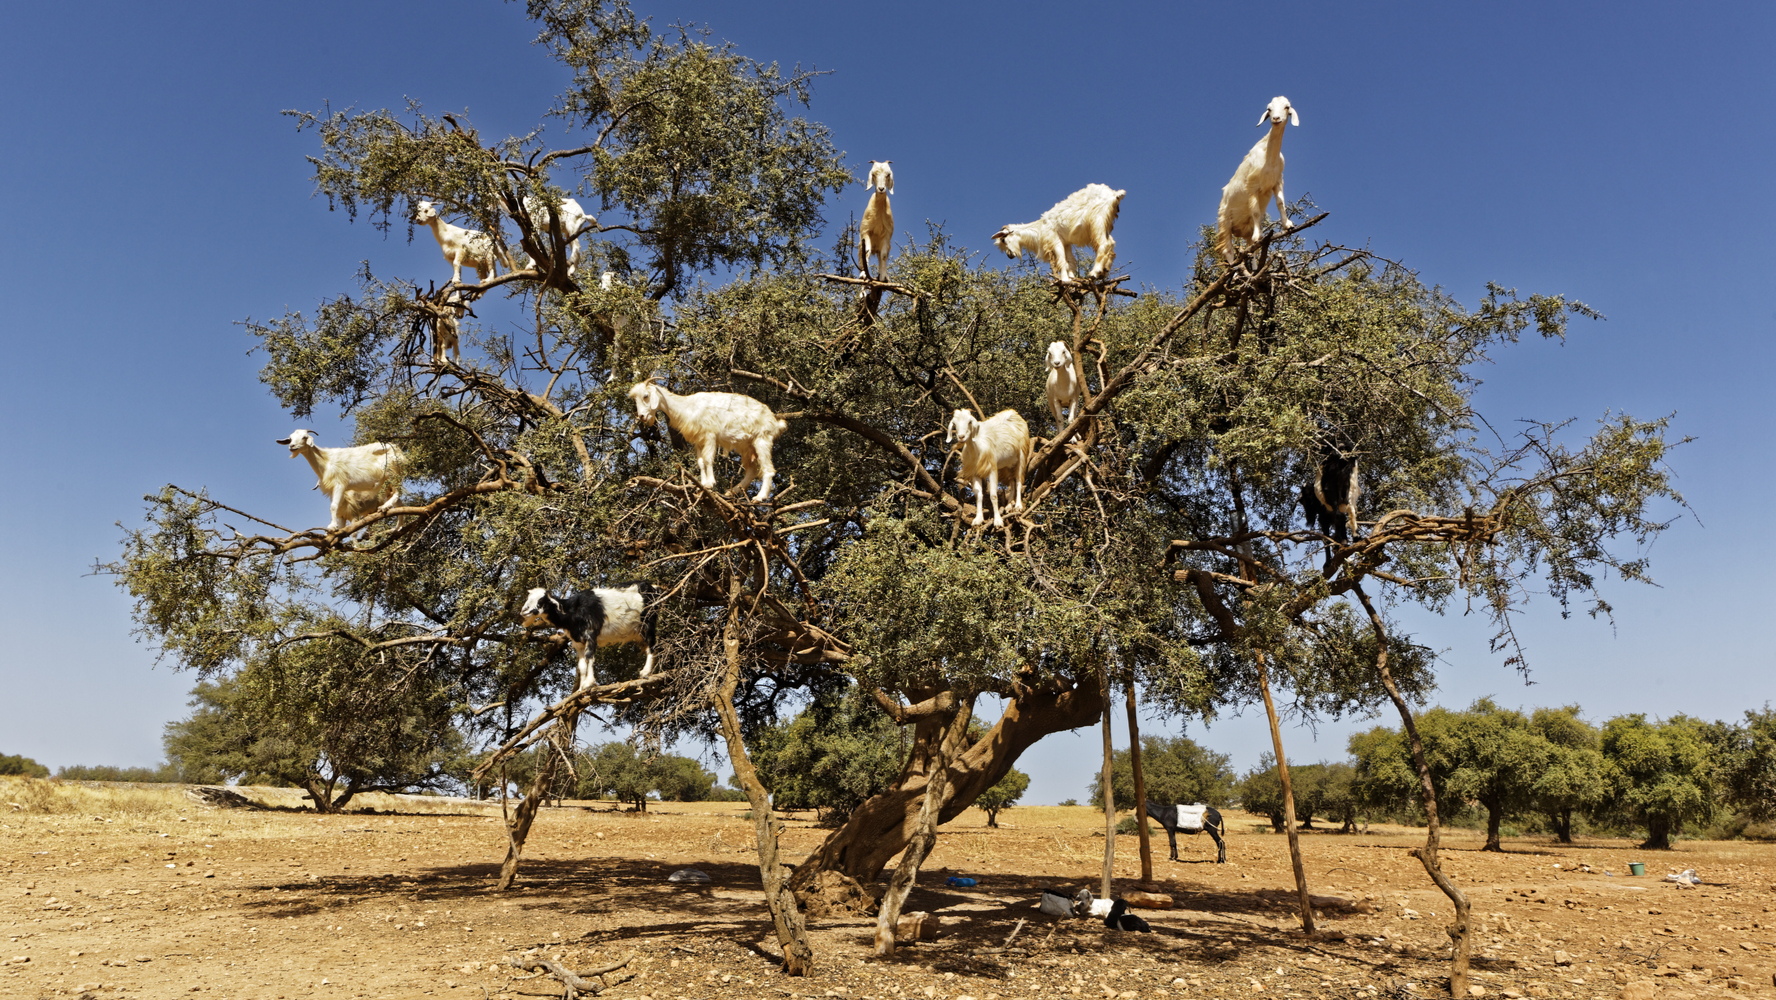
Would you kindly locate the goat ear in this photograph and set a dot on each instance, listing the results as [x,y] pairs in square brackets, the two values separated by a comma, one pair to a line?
[1294,119]
[1264,117]
[283,440]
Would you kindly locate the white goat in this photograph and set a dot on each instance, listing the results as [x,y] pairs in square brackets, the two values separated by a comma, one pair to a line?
[1245,201]
[356,480]
[1063,382]
[1000,443]
[462,247]
[1085,218]
[717,421]
[571,216]
[876,236]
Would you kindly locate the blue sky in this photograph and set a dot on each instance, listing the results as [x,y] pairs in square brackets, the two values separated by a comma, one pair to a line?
[1619,154]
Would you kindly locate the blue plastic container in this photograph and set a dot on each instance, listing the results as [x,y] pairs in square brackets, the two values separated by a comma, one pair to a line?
[961,883]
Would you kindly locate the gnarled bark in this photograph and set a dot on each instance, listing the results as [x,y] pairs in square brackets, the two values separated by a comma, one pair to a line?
[792,933]
[518,826]
[883,826]
[957,716]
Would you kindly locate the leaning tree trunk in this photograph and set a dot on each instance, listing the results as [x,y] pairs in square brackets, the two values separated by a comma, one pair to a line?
[518,826]
[1458,931]
[792,934]
[924,836]
[883,826]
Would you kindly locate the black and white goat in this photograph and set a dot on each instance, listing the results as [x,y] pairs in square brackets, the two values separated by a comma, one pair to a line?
[1117,920]
[1191,819]
[598,617]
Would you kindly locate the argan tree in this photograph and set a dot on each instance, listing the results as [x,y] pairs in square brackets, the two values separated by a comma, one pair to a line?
[1157,544]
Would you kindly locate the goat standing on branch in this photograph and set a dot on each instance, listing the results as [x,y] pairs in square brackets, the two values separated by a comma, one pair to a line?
[356,480]
[876,236]
[1085,218]
[712,421]
[597,617]
[462,247]
[573,220]
[1245,201]
[1000,443]
[1063,382]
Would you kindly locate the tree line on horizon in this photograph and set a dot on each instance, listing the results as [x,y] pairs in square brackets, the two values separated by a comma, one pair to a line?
[1507,771]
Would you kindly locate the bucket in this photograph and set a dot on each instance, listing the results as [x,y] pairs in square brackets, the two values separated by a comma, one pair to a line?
[1636,868]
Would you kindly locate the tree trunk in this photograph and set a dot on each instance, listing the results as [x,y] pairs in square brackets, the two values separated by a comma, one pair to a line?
[882,827]
[1458,931]
[1563,825]
[924,836]
[1276,740]
[1495,813]
[1109,792]
[518,827]
[792,934]
[1658,834]
[993,818]
[1140,786]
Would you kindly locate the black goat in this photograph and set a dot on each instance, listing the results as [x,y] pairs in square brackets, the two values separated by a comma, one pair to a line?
[598,617]
[1120,921]
[1330,501]
[1190,819]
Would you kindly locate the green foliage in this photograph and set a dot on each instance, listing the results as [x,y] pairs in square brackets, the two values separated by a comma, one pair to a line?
[1661,773]
[1069,802]
[831,757]
[1745,763]
[1175,769]
[627,774]
[1573,778]
[1003,795]
[365,661]
[1484,754]
[299,719]
[11,764]
[107,772]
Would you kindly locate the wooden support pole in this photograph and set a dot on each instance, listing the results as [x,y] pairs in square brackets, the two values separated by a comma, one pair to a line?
[1109,792]
[1276,741]
[1140,786]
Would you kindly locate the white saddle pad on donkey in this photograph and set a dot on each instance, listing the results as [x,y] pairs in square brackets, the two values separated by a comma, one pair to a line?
[1190,818]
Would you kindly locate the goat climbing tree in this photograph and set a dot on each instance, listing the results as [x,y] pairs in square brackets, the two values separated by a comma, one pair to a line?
[1158,539]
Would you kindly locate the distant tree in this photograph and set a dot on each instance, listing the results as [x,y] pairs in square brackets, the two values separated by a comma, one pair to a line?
[1069,802]
[722,793]
[1484,754]
[294,720]
[618,770]
[1745,764]
[1574,777]
[1261,791]
[1661,773]
[1003,795]
[1176,769]
[1323,789]
[680,779]
[11,764]
[107,772]
[832,757]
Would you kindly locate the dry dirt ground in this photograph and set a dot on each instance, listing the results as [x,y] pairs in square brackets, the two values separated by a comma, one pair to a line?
[141,893]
